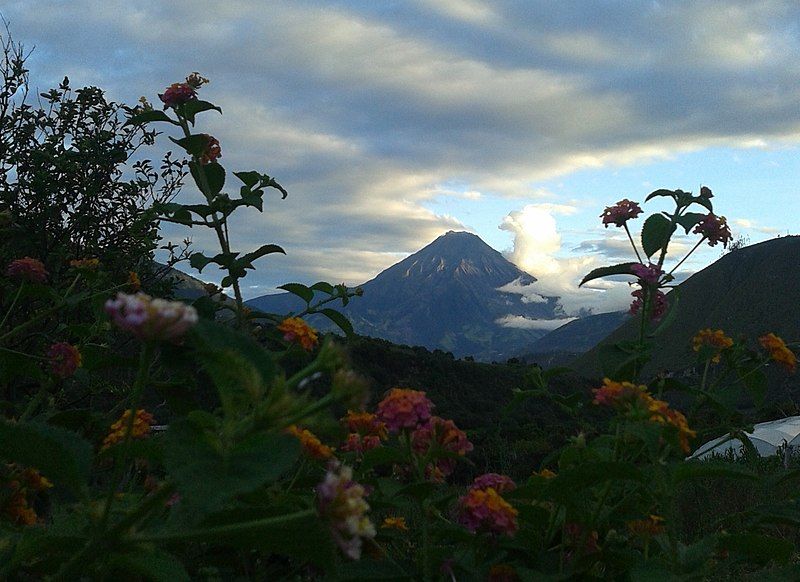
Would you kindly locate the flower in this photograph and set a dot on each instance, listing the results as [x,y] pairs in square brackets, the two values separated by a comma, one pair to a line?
[196,80]
[23,485]
[485,510]
[366,431]
[713,340]
[715,229]
[658,303]
[648,274]
[311,444]
[64,359]
[395,523]
[141,427]
[632,398]
[27,269]
[134,283]
[342,501]
[778,351]
[544,474]
[404,408]
[440,435]
[178,94]
[85,264]
[295,330]
[647,528]
[151,319]
[620,213]
[212,151]
[500,483]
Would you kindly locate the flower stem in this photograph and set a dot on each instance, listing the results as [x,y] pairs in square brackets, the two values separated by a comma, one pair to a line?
[630,238]
[694,248]
[13,304]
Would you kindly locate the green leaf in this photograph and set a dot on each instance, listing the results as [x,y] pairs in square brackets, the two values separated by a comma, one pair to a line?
[249,179]
[755,382]
[194,145]
[260,252]
[366,569]
[689,220]
[621,269]
[151,563]
[191,108]
[716,469]
[380,456]
[209,474]
[150,116]
[214,175]
[324,287]
[757,547]
[572,479]
[656,233]
[60,455]
[199,261]
[339,319]
[16,365]
[661,193]
[305,293]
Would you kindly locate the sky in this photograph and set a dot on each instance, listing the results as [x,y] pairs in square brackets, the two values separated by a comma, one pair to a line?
[392,122]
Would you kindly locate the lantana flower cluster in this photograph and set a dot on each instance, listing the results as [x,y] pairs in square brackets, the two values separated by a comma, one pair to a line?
[296,330]
[628,397]
[404,408]
[483,509]
[778,351]
[312,446]
[438,434]
[342,502]
[142,423]
[151,319]
[620,213]
[714,229]
[23,485]
[712,340]
[65,359]
[27,269]
[365,431]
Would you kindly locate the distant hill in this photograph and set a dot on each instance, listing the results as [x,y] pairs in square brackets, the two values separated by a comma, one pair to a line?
[565,343]
[750,292]
[446,297]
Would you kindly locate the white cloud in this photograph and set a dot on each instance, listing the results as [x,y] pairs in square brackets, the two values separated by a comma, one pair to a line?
[522,322]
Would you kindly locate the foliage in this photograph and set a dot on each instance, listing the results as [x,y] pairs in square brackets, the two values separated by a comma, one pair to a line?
[244,447]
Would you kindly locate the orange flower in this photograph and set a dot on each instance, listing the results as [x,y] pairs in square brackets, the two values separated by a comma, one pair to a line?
[661,413]
[647,528]
[714,339]
[486,510]
[27,269]
[64,359]
[23,486]
[544,474]
[141,427]
[779,352]
[297,331]
[614,393]
[366,431]
[212,151]
[395,523]
[85,264]
[311,444]
[134,284]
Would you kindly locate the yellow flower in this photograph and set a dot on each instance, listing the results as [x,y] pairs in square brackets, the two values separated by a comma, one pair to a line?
[298,331]
[544,473]
[85,264]
[395,523]
[141,427]
[778,351]
[715,339]
[311,444]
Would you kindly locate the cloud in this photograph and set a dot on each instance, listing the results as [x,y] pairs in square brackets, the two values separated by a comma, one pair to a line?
[522,322]
[536,248]
[364,111]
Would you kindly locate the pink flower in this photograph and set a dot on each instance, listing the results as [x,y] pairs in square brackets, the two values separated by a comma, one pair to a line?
[485,510]
[177,94]
[27,269]
[64,359]
[658,307]
[620,213]
[715,229]
[151,319]
[404,408]
[342,501]
[649,274]
[446,436]
[500,483]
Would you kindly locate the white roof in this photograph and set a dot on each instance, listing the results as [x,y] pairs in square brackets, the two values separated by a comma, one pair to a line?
[766,438]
